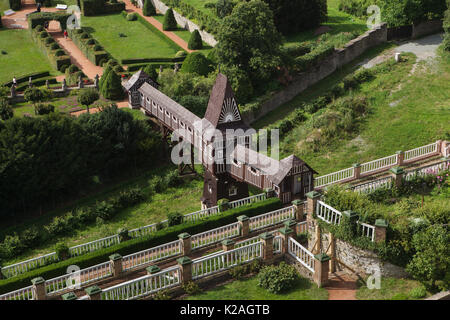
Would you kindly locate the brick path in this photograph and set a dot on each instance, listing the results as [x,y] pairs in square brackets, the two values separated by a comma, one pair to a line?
[172,36]
[341,286]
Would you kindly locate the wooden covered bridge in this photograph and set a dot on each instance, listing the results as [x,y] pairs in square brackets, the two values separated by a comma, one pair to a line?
[226,175]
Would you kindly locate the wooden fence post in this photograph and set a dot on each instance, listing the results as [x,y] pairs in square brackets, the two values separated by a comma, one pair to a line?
[40,293]
[186,244]
[244,225]
[94,293]
[321,268]
[185,265]
[116,263]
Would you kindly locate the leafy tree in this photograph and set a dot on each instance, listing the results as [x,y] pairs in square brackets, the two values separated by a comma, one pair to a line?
[87,97]
[6,112]
[197,63]
[112,86]
[446,25]
[431,262]
[106,71]
[151,71]
[148,9]
[34,95]
[195,41]
[42,109]
[224,8]
[249,41]
[169,22]
[240,82]
[4,92]
[405,12]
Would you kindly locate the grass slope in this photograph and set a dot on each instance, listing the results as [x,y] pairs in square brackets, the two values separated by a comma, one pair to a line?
[390,289]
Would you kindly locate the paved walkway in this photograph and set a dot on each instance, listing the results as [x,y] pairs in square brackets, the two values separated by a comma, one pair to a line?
[341,286]
[172,36]
[19,19]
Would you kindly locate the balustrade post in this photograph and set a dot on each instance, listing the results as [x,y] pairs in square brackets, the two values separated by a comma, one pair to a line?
[332,241]
[311,202]
[116,264]
[269,193]
[291,224]
[285,233]
[152,269]
[69,296]
[39,288]
[244,225]
[380,230]
[186,244]
[400,157]
[227,245]
[94,293]
[356,170]
[397,173]
[299,207]
[321,269]
[185,265]
[267,240]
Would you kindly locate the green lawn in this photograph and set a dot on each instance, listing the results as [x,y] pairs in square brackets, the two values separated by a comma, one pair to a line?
[140,42]
[391,289]
[4,5]
[338,22]
[22,56]
[248,290]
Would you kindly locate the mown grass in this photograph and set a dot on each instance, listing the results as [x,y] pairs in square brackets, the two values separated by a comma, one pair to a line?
[390,289]
[22,56]
[407,110]
[4,5]
[249,290]
[139,42]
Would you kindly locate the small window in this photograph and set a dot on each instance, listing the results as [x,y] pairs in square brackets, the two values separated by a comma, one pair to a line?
[167,113]
[174,118]
[148,99]
[190,130]
[160,108]
[182,124]
[253,170]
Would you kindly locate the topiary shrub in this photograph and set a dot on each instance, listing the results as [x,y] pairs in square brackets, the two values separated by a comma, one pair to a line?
[88,96]
[84,36]
[42,109]
[197,63]
[174,218]
[150,69]
[43,35]
[277,279]
[98,47]
[118,68]
[59,53]
[169,21]
[62,251]
[181,54]
[132,16]
[148,9]
[73,68]
[49,40]
[63,68]
[112,86]
[34,95]
[90,41]
[55,46]
[195,41]
[39,28]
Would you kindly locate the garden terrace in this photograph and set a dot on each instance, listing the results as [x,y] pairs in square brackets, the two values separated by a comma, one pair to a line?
[138,41]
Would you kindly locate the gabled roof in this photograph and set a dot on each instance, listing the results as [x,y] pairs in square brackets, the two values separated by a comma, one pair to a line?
[137,76]
[221,101]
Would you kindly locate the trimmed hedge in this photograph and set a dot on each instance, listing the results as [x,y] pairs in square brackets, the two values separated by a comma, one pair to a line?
[15,4]
[37,83]
[38,18]
[135,245]
[87,47]
[56,61]
[97,7]
[25,78]
[148,60]
[136,67]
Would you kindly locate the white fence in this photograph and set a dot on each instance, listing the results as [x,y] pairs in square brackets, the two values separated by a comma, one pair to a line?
[379,164]
[301,254]
[271,218]
[76,279]
[432,169]
[367,230]
[334,177]
[215,235]
[28,265]
[140,258]
[246,242]
[420,152]
[328,213]
[21,294]
[212,264]
[25,266]
[143,286]
[277,243]
[302,227]
[371,186]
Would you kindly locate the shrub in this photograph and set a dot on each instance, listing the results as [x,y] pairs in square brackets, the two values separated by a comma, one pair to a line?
[148,9]
[11,246]
[73,68]
[49,40]
[195,41]
[34,95]
[196,62]
[55,46]
[418,292]
[123,234]
[62,251]
[90,41]
[132,16]
[98,47]
[118,68]
[42,109]
[239,271]
[59,53]
[6,112]
[191,287]
[39,28]
[181,54]
[84,36]
[223,204]
[104,210]
[112,87]
[44,35]
[150,69]
[162,295]
[88,96]
[174,218]
[169,21]
[277,279]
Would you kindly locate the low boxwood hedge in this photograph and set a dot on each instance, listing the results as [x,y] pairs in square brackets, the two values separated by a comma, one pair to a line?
[88,46]
[157,238]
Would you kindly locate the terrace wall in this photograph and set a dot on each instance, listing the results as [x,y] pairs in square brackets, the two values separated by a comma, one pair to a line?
[339,58]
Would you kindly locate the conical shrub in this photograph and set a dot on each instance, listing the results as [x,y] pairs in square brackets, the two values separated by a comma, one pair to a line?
[195,41]
[169,21]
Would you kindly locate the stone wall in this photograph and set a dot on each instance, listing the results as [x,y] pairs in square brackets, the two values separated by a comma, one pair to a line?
[426,28]
[182,21]
[363,262]
[339,58]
